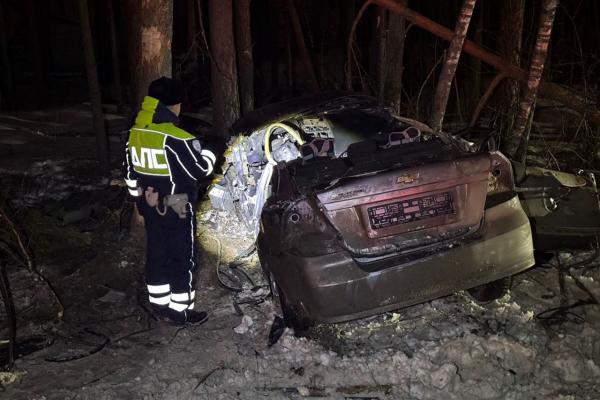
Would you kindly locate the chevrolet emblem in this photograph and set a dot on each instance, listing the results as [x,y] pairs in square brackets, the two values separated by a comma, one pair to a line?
[408,178]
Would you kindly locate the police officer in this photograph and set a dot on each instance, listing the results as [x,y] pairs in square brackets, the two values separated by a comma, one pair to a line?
[163,165]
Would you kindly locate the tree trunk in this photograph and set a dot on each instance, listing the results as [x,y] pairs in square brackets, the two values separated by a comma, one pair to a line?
[510,42]
[395,61]
[566,97]
[34,43]
[243,35]
[475,91]
[191,29]
[6,89]
[149,43]
[224,77]
[93,86]
[516,143]
[116,69]
[442,90]
[313,84]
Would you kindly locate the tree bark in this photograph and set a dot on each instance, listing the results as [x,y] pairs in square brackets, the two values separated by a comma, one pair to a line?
[442,90]
[149,43]
[395,61]
[553,91]
[93,86]
[313,84]
[510,41]
[226,105]
[516,143]
[476,64]
[116,69]
[243,35]
[510,44]
[191,29]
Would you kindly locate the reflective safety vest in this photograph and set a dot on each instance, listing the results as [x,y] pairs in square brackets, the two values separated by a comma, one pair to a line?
[158,148]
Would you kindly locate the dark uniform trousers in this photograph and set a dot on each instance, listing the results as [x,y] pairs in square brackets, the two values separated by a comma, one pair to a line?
[170,256]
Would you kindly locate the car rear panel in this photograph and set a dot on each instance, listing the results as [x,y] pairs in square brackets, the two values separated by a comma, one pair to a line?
[334,287]
[406,208]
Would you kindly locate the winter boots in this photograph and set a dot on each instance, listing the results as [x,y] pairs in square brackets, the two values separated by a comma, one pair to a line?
[179,318]
[187,317]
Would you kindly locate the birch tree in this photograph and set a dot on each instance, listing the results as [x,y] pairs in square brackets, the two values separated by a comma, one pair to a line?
[442,90]
[516,145]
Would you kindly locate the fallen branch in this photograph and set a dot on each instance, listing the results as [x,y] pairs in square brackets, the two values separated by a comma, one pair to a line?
[15,248]
[96,349]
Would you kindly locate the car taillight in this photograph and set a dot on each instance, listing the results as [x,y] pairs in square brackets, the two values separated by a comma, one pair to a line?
[307,232]
[500,182]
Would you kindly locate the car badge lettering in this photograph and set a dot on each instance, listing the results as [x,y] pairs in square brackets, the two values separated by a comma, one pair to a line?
[407,178]
[346,195]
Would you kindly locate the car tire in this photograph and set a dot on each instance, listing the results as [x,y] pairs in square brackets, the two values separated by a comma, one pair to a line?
[293,316]
[491,291]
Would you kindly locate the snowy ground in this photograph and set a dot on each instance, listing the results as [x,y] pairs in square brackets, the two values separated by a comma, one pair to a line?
[450,348]
[108,346]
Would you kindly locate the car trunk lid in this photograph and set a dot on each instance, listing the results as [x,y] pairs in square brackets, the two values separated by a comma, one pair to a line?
[408,208]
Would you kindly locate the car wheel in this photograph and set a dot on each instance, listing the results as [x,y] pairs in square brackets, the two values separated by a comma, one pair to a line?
[293,316]
[491,291]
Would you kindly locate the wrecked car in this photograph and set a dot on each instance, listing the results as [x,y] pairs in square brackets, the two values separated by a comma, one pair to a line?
[357,211]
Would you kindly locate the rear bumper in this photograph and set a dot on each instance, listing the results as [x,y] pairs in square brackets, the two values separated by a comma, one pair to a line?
[333,288]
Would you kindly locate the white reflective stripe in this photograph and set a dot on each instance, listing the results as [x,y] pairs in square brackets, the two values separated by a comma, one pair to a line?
[180,163]
[163,300]
[132,183]
[191,306]
[210,165]
[195,159]
[209,154]
[127,159]
[133,192]
[183,296]
[192,234]
[190,150]
[170,175]
[178,306]
[159,289]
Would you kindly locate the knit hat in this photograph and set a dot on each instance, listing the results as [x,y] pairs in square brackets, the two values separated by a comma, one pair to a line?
[168,91]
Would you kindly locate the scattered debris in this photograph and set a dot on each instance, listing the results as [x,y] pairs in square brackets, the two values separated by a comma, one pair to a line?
[244,325]
[112,296]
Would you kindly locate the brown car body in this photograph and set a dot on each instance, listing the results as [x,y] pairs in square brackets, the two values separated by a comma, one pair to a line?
[383,227]
[380,224]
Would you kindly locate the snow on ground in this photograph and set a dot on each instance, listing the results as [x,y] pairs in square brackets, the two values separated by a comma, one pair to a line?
[449,348]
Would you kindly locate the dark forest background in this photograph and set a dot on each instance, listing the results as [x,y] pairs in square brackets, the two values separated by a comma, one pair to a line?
[43,60]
